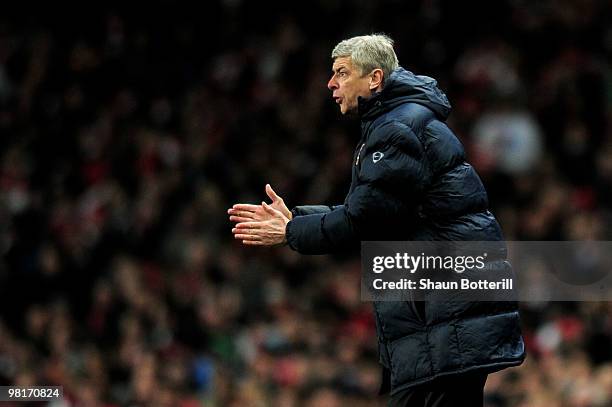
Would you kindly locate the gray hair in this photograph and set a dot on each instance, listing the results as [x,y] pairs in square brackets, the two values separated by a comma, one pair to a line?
[369,52]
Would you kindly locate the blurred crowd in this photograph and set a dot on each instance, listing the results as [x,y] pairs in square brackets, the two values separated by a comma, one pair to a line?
[126,132]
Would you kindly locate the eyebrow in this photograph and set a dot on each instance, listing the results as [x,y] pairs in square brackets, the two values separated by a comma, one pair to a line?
[338,69]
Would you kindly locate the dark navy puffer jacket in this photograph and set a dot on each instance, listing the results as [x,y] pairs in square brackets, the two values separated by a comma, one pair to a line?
[410,181]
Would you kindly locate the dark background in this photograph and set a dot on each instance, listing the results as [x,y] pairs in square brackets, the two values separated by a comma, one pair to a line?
[127,131]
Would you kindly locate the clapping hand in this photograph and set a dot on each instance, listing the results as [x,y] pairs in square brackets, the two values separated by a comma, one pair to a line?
[261,225]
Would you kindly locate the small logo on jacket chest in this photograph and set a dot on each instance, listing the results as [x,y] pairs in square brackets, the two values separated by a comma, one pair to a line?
[377,156]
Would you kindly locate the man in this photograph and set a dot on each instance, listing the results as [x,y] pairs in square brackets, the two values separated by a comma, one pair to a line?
[410,181]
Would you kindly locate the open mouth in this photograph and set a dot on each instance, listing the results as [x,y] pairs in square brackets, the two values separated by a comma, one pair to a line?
[338,100]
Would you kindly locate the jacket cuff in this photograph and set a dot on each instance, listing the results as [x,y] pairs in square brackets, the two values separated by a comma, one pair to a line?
[304,235]
[304,210]
[289,236]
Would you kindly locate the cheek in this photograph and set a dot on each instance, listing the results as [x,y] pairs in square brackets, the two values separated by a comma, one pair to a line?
[349,92]
[348,89]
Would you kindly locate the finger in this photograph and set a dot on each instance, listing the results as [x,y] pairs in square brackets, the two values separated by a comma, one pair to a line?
[248,225]
[239,219]
[271,194]
[246,207]
[239,212]
[242,213]
[242,236]
[253,243]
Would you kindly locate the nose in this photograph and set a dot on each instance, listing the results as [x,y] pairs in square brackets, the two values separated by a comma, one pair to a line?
[332,84]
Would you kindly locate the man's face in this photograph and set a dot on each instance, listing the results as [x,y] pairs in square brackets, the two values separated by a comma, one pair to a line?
[347,84]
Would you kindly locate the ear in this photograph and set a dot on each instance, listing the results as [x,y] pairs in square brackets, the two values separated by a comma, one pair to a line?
[376,79]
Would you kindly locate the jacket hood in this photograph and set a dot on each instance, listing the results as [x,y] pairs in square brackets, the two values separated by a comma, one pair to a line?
[401,87]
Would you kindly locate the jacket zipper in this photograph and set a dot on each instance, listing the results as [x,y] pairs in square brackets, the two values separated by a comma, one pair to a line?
[359,154]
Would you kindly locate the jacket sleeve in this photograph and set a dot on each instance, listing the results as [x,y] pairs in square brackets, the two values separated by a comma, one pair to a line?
[311,209]
[392,176]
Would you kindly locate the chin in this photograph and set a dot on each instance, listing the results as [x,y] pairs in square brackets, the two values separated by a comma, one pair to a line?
[349,112]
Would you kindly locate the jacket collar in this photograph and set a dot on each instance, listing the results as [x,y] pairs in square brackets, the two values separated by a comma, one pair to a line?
[401,87]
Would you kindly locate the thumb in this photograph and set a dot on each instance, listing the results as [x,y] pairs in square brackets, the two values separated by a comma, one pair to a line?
[271,194]
[270,209]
